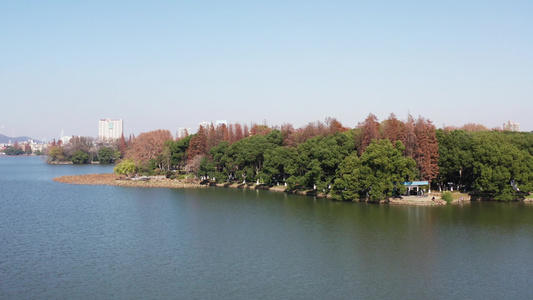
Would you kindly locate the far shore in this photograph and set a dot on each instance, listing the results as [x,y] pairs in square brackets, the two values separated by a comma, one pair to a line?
[162,182]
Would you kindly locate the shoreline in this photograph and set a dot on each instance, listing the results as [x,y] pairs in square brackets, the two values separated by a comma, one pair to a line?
[162,182]
[118,180]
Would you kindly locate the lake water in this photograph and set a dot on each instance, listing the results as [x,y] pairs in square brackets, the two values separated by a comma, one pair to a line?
[60,241]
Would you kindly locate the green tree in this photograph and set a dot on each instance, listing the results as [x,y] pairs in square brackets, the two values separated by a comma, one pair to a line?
[164,160]
[500,168]
[348,183]
[376,175]
[317,159]
[522,140]
[206,169]
[222,168]
[13,151]
[107,155]
[178,151]
[245,157]
[126,167]
[80,157]
[456,162]
[56,153]
[276,162]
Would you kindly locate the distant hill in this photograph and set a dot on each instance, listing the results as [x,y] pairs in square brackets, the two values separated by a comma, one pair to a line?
[5,139]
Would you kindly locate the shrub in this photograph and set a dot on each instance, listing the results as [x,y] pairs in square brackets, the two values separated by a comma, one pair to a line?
[447,196]
[125,167]
[56,154]
[178,176]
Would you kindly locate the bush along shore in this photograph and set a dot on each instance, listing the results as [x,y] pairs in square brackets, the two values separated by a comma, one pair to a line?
[163,182]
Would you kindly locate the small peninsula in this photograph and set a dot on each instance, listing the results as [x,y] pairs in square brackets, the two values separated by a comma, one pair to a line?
[163,182]
[120,180]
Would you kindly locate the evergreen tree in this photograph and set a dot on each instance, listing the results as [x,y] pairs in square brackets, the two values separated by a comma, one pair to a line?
[378,174]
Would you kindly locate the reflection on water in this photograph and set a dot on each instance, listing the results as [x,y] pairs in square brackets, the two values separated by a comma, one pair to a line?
[64,241]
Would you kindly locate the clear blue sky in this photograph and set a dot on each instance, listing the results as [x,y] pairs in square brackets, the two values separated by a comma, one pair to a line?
[170,64]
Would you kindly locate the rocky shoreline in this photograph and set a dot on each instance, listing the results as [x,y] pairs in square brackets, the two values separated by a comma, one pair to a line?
[162,182]
[117,180]
[419,201]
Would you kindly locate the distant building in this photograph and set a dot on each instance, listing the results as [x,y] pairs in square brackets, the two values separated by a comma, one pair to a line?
[65,139]
[183,132]
[37,146]
[207,125]
[204,124]
[110,129]
[220,122]
[511,126]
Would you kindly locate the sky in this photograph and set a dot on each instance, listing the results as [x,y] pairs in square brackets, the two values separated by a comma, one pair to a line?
[168,64]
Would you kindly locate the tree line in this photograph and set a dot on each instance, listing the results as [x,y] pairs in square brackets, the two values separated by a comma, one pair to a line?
[85,150]
[494,164]
[367,162]
[19,149]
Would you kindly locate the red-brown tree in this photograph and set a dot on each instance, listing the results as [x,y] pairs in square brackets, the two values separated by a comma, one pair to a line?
[409,137]
[148,145]
[472,127]
[308,131]
[287,130]
[393,129]
[246,131]
[122,145]
[198,143]
[260,130]
[211,137]
[131,139]
[222,133]
[427,151]
[334,126]
[239,134]
[231,133]
[369,131]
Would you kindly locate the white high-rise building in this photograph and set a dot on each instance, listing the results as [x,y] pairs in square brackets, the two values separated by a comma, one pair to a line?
[110,129]
[511,126]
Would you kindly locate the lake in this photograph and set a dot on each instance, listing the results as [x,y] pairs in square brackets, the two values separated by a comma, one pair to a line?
[60,241]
